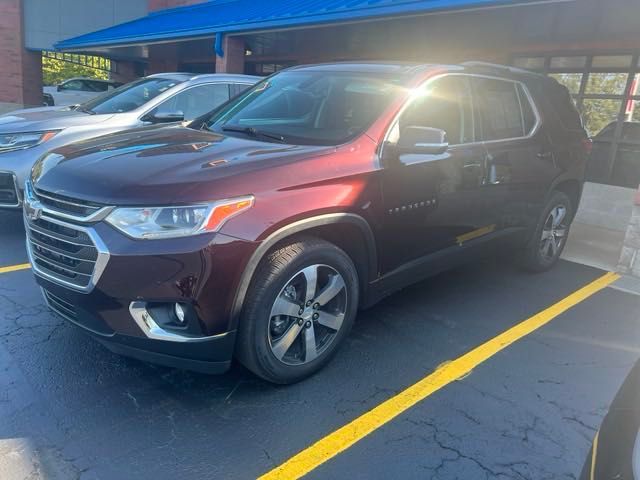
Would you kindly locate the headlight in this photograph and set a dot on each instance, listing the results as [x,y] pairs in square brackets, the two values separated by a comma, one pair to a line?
[20,141]
[173,222]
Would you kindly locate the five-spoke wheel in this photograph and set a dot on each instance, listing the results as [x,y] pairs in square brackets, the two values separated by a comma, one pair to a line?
[307,314]
[299,308]
[550,237]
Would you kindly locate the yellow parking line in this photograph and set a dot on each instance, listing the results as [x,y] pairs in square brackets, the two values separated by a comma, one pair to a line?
[343,438]
[15,268]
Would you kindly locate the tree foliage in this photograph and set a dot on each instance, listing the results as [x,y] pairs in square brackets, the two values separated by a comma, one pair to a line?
[597,113]
[55,71]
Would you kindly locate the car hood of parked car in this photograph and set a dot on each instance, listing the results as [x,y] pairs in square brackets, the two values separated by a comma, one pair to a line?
[164,165]
[47,118]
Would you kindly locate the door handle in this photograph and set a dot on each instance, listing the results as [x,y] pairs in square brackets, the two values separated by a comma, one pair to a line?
[545,155]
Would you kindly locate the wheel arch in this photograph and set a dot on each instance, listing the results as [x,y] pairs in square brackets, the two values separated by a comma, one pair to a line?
[348,231]
[570,187]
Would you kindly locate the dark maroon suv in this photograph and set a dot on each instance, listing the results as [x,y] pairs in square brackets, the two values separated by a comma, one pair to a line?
[257,231]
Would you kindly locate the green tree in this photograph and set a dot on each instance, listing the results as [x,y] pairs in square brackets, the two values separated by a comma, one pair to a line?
[55,71]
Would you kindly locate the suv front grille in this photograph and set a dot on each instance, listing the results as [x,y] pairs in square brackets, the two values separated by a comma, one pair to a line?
[67,205]
[64,253]
[8,191]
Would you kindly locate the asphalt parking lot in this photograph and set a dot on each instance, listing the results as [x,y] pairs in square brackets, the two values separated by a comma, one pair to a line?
[71,409]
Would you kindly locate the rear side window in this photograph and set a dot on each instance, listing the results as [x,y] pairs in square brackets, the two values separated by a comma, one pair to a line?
[97,86]
[498,103]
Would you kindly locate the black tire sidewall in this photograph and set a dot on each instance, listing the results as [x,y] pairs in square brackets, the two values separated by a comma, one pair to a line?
[316,253]
[534,260]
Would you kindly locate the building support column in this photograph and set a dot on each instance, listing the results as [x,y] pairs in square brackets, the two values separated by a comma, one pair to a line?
[21,73]
[229,54]
[630,258]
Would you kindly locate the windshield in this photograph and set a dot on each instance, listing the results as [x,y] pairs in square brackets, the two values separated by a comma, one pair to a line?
[307,107]
[129,96]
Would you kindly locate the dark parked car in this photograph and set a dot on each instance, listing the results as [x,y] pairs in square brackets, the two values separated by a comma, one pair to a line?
[258,231]
[625,169]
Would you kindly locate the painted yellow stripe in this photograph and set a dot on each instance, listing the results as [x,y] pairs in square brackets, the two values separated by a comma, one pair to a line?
[594,455]
[343,438]
[15,268]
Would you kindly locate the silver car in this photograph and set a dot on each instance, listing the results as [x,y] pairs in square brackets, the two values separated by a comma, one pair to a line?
[25,135]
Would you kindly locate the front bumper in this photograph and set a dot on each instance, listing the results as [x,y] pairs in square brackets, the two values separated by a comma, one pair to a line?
[200,271]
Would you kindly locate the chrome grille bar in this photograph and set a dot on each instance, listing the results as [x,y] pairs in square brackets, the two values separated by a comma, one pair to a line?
[64,253]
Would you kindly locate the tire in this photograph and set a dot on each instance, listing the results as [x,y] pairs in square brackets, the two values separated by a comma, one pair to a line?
[277,347]
[550,237]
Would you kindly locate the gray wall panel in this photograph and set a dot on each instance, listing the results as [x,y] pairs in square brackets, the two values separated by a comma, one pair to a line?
[49,21]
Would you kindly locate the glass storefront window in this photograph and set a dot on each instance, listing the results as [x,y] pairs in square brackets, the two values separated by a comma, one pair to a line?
[530,63]
[607,83]
[633,111]
[597,114]
[611,61]
[568,62]
[570,80]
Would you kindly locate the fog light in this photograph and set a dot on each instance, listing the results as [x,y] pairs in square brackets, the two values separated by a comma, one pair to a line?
[180,312]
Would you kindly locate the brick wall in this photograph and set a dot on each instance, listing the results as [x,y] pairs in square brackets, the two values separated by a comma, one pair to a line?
[233,60]
[21,74]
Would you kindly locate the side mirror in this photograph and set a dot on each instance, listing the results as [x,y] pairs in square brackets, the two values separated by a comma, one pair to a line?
[423,141]
[59,87]
[164,117]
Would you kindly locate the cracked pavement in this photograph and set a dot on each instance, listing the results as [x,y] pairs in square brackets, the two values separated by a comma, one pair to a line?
[70,409]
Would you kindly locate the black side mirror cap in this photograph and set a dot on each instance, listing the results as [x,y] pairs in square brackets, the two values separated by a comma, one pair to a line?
[422,141]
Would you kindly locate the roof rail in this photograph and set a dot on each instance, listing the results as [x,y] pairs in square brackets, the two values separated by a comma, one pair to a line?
[495,66]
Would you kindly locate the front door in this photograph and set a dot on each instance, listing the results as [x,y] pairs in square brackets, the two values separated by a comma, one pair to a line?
[435,202]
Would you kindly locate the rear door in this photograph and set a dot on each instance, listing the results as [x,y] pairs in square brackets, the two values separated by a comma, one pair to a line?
[519,163]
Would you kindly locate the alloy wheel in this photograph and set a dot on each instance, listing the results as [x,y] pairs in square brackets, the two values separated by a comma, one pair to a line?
[554,233]
[307,315]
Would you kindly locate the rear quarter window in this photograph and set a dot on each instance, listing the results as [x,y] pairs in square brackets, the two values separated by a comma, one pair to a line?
[562,104]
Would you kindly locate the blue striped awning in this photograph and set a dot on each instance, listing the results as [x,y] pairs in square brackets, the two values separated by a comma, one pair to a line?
[237,16]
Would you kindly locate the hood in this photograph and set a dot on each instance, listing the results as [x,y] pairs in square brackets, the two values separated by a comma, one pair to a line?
[162,165]
[46,118]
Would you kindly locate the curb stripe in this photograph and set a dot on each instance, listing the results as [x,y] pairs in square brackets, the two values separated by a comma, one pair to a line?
[15,268]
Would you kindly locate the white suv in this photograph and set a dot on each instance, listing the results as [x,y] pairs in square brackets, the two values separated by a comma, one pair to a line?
[75,91]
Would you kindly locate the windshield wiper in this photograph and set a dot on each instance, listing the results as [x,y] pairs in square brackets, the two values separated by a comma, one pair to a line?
[254,132]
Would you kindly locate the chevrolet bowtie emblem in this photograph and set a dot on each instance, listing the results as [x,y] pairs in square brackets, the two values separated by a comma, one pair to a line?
[33,212]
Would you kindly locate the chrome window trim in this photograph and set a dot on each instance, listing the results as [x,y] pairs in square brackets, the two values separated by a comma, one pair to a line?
[424,85]
[100,263]
[15,186]
[152,330]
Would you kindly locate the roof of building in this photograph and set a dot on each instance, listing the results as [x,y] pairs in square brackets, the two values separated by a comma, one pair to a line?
[236,16]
